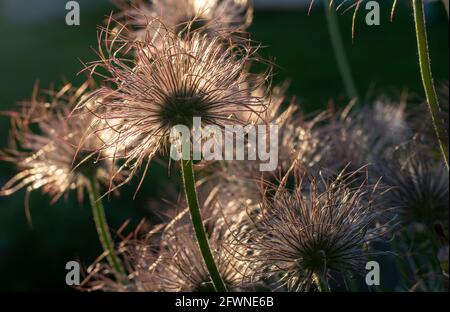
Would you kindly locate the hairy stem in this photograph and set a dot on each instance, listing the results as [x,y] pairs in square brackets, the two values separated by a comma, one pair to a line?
[103,229]
[339,51]
[427,78]
[194,209]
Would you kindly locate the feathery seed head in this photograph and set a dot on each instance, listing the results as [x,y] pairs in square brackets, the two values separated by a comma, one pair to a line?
[185,270]
[419,185]
[356,137]
[298,142]
[318,228]
[175,263]
[227,19]
[169,85]
[52,151]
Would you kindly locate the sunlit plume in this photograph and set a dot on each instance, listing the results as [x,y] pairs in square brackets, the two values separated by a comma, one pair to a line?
[53,152]
[169,85]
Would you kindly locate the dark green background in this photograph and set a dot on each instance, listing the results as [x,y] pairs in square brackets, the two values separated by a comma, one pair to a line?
[34,258]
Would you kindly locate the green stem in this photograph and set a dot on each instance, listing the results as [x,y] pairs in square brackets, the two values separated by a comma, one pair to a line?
[427,77]
[103,229]
[339,51]
[194,208]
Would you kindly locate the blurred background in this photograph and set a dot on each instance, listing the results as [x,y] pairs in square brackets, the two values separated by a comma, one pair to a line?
[36,44]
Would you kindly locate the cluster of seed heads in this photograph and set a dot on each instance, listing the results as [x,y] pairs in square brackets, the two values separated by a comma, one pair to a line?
[343,176]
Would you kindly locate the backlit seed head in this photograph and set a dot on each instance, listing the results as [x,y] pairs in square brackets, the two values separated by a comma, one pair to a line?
[227,19]
[419,185]
[298,147]
[185,270]
[169,85]
[358,136]
[174,263]
[53,152]
[319,228]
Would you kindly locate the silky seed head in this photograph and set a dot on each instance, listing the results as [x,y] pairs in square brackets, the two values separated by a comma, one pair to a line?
[419,185]
[53,152]
[169,85]
[227,19]
[318,228]
[175,264]
[356,136]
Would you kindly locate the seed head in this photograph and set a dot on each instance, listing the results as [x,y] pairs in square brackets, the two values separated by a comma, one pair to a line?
[357,137]
[227,19]
[53,152]
[297,148]
[419,185]
[185,269]
[175,264]
[169,85]
[319,228]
